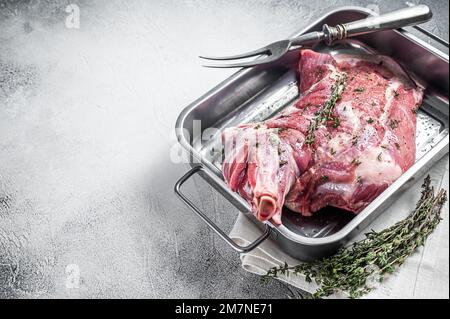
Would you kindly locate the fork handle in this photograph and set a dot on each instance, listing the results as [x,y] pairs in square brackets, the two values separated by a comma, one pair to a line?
[392,20]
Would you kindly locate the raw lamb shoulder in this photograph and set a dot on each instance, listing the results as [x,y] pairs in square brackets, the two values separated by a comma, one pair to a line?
[349,136]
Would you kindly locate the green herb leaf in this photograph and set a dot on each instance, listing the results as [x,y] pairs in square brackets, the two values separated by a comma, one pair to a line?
[378,254]
[337,122]
[324,113]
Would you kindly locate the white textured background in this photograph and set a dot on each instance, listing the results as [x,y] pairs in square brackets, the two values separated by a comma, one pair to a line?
[86,125]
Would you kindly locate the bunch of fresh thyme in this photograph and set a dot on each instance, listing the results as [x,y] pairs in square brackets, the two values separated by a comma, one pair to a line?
[378,254]
[325,113]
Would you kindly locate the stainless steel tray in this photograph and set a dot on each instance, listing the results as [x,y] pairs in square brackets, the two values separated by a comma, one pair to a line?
[257,93]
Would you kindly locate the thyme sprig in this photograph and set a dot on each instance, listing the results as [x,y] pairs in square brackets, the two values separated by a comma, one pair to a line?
[380,253]
[325,113]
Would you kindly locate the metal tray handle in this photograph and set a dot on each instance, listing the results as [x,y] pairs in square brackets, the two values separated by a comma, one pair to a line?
[206,219]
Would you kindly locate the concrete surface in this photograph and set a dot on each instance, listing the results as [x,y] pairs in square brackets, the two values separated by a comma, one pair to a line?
[86,128]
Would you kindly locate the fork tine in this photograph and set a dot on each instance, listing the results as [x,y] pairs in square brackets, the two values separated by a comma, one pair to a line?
[260,51]
[240,65]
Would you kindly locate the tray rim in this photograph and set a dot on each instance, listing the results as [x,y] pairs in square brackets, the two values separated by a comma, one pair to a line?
[440,149]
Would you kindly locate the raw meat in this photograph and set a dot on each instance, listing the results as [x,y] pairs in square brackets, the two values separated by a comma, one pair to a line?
[349,136]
